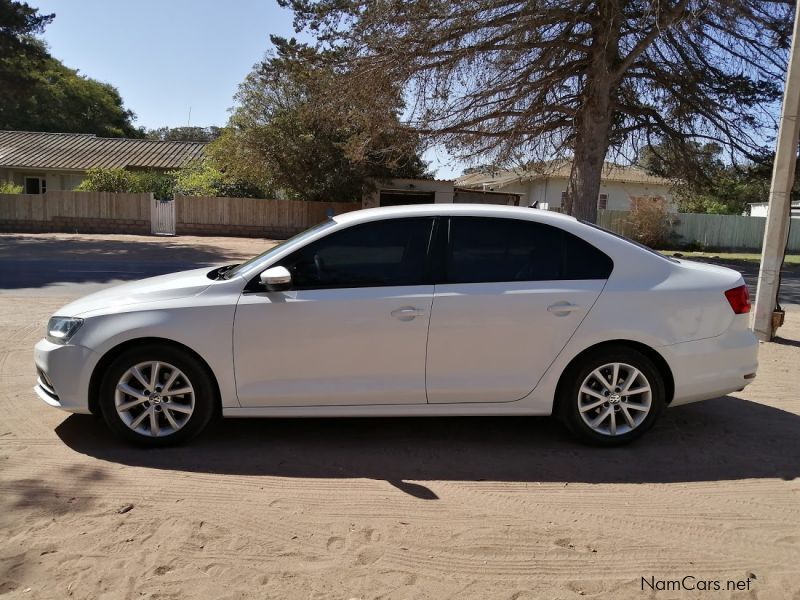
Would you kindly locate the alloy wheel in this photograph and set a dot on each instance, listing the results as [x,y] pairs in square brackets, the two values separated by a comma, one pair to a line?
[154,399]
[614,399]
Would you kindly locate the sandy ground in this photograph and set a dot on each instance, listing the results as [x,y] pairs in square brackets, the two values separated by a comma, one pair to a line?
[398,509]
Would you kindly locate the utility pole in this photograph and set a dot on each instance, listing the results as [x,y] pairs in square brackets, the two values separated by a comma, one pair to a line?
[776,232]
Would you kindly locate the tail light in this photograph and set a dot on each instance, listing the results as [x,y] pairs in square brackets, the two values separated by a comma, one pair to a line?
[739,299]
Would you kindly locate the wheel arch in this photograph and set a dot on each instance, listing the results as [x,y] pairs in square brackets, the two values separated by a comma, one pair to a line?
[96,378]
[658,360]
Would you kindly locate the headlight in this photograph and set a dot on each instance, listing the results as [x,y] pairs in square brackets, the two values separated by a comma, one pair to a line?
[61,329]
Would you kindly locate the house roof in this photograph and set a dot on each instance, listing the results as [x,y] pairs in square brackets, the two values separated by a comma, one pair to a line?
[81,151]
[556,169]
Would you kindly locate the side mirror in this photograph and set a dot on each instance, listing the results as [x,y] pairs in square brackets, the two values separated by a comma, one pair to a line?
[276,279]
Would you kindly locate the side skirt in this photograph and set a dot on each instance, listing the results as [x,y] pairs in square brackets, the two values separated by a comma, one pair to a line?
[389,410]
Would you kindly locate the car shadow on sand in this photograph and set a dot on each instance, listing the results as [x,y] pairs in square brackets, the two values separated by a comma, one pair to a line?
[723,439]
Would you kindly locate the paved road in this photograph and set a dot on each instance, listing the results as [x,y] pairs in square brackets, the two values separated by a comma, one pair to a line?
[74,265]
[790,279]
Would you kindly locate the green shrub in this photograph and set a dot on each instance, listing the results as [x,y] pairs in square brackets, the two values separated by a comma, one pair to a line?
[9,187]
[162,185]
[121,180]
[106,180]
[196,179]
[204,179]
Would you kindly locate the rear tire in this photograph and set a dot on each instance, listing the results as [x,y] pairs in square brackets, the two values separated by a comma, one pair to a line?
[156,396]
[611,396]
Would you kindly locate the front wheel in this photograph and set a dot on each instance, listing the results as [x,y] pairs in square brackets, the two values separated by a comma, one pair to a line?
[156,396]
[611,396]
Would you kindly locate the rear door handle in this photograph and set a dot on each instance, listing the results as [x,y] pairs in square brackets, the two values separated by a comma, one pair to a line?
[562,309]
[407,313]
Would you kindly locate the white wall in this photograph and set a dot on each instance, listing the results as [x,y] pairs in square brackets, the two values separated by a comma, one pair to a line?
[760,209]
[443,190]
[619,193]
[56,181]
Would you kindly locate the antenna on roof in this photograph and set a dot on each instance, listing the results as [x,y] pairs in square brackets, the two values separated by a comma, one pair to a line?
[189,120]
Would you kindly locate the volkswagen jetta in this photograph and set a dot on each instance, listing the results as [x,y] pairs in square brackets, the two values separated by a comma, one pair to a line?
[409,311]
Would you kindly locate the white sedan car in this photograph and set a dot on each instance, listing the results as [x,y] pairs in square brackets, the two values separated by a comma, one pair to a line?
[428,310]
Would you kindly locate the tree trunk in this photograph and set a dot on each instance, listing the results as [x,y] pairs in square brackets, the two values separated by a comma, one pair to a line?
[593,118]
[591,146]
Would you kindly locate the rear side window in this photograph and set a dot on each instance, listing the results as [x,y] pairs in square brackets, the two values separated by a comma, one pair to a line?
[492,249]
[582,260]
[393,252]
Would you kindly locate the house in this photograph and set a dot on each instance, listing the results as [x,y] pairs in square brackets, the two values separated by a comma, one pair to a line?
[58,161]
[546,183]
[394,192]
[759,209]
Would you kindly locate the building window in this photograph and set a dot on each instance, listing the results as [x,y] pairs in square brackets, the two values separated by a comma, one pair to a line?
[563,198]
[602,202]
[35,185]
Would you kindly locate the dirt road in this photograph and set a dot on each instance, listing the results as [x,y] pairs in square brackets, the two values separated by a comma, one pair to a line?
[397,509]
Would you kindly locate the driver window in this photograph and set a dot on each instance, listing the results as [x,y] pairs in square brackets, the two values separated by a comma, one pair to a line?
[392,252]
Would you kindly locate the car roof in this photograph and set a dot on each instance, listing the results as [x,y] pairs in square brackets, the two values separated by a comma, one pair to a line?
[447,209]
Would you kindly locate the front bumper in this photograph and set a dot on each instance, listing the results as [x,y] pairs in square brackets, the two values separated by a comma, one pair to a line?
[64,372]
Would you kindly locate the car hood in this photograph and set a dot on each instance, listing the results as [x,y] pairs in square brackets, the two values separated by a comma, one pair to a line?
[164,287]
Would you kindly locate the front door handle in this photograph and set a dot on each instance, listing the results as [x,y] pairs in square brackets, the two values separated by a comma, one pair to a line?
[407,313]
[562,309]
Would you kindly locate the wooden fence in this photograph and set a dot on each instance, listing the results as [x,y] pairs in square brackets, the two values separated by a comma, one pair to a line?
[82,212]
[259,217]
[715,232]
[106,212]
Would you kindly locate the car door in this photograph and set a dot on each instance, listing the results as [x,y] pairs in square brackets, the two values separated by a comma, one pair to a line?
[351,329]
[512,293]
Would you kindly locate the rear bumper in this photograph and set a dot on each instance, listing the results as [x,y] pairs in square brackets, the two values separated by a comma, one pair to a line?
[64,372]
[712,367]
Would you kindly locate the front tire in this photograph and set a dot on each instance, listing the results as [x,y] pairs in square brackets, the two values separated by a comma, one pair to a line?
[611,396]
[156,396]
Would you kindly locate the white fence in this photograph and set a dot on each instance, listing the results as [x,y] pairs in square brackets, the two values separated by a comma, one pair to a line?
[717,232]
[162,217]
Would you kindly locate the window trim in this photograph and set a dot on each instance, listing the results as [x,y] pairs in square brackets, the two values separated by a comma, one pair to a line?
[254,285]
[42,184]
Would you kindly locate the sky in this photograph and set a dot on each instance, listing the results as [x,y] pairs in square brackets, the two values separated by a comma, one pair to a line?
[175,62]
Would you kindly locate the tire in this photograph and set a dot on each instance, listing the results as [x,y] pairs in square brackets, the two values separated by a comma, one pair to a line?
[148,415]
[583,398]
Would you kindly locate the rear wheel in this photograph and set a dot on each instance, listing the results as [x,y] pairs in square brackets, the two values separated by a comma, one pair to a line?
[611,396]
[156,396]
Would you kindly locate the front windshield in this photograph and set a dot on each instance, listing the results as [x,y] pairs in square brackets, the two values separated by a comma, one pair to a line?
[275,249]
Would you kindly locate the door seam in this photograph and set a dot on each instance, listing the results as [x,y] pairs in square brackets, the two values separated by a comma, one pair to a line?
[427,341]
[569,339]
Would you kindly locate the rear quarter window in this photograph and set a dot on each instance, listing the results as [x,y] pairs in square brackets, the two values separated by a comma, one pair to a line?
[584,261]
